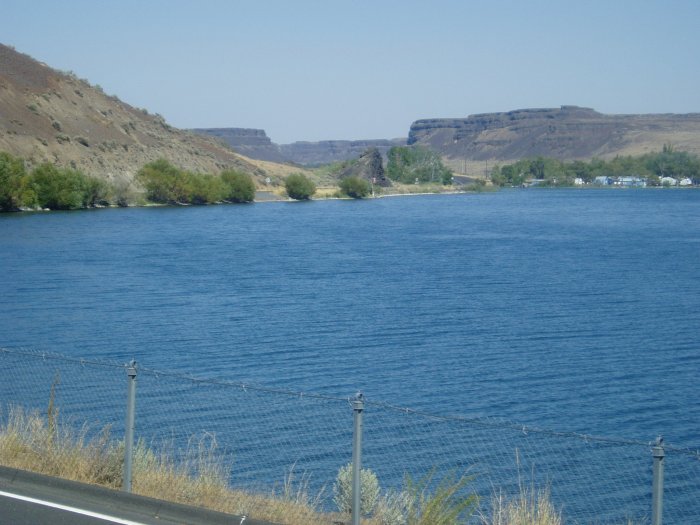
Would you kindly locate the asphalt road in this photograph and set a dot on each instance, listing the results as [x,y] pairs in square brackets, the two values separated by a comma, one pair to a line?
[32,499]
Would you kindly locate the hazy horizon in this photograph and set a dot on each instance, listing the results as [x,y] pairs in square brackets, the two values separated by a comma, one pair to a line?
[313,70]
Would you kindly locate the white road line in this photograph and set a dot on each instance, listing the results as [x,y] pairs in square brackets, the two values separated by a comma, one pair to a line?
[74,510]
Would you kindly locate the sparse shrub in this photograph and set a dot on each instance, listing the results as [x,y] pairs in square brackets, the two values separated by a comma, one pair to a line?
[299,187]
[530,507]
[393,508]
[369,490]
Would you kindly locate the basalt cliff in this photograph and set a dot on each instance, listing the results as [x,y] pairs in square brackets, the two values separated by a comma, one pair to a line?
[565,133]
[255,144]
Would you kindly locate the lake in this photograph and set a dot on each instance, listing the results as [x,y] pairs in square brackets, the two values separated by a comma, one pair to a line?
[572,310]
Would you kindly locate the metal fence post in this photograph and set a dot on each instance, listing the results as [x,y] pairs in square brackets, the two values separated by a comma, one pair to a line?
[657,490]
[129,427]
[358,406]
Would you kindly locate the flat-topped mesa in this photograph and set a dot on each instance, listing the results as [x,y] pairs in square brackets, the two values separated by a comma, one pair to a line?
[566,133]
[253,143]
[485,121]
[329,151]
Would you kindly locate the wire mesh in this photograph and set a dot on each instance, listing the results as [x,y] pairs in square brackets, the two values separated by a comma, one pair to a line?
[290,445]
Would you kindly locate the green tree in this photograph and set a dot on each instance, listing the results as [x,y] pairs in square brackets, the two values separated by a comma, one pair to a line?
[409,164]
[239,186]
[15,188]
[355,187]
[299,187]
[65,189]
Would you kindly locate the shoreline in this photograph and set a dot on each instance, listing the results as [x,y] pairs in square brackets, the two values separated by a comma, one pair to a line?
[273,197]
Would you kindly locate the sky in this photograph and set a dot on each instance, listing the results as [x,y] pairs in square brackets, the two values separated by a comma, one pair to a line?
[308,70]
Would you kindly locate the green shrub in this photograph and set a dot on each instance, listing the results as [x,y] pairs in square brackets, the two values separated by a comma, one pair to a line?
[164,183]
[203,189]
[355,187]
[299,187]
[239,186]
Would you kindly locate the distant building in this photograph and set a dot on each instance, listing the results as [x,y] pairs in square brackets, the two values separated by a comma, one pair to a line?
[578,181]
[636,182]
[685,182]
[602,181]
[668,181]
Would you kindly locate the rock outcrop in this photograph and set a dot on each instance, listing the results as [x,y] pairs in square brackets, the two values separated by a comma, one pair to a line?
[368,166]
[565,133]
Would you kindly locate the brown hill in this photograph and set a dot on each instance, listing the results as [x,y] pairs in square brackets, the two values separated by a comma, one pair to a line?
[48,115]
[566,133]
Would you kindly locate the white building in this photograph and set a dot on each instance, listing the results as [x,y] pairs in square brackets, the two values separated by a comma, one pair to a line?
[668,181]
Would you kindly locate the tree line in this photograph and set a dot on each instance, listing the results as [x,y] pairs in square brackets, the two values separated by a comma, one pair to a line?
[51,187]
[47,186]
[552,172]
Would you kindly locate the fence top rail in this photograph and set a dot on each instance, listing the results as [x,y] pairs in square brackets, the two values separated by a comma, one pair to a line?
[45,356]
[479,421]
[518,427]
[243,386]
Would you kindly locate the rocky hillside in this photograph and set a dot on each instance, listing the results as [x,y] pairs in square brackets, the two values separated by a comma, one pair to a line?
[48,115]
[566,133]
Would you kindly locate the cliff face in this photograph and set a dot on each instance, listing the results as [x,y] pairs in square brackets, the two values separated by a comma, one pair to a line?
[50,116]
[253,143]
[566,133]
[329,151]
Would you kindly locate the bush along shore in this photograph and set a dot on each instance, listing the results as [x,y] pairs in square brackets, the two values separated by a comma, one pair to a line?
[411,171]
[47,445]
[50,187]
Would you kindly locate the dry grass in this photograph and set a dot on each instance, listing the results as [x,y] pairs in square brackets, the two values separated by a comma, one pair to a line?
[529,507]
[44,445]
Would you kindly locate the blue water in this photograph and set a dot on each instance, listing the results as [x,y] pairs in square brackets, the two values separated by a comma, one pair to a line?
[563,309]
[573,309]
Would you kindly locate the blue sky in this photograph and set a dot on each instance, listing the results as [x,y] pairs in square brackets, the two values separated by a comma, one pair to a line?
[314,70]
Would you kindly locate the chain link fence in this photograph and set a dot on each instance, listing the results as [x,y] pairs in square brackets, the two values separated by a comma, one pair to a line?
[274,454]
